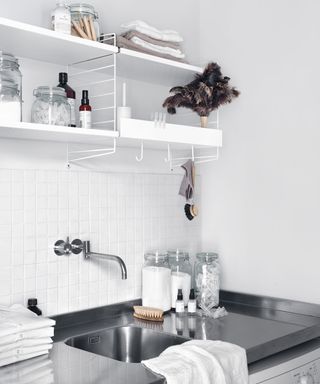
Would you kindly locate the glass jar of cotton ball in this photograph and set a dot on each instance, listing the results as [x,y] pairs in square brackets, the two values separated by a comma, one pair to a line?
[207,280]
[50,106]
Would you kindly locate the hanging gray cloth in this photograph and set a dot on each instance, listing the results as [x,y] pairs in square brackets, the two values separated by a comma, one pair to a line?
[186,187]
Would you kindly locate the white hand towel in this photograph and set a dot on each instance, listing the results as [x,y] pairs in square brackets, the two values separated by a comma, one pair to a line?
[25,343]
[24,351]
[33,334]
[17,318]
[143,27]
[202,362]
[157,48]
[16,358]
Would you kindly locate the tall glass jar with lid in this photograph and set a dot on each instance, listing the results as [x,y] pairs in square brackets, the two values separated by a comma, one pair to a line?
[156,281]
[181,272]
[207,279]
[11,87]
[51,106]
[79,11]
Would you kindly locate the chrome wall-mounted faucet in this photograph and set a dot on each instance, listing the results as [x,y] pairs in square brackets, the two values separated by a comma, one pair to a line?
[64,248]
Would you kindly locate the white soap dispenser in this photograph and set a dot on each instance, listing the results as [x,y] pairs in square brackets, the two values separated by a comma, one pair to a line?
[124,111]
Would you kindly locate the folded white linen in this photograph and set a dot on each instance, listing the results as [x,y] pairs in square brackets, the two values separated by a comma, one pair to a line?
[143,27]
[41,375]
[24,350]
[32,334]
[16,358]
[157,48]
[202,362]
[25,343]
[17,318]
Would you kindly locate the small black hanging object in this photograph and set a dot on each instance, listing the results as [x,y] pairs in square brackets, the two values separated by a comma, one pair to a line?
[32,306]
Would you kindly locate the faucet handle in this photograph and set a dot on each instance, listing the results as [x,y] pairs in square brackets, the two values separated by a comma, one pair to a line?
[62,247]
[77,246]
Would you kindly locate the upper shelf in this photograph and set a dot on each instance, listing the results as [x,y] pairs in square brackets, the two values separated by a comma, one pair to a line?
[149,68]
[37,43]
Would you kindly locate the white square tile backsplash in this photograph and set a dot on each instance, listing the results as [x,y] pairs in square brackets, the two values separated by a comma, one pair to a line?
[119,213]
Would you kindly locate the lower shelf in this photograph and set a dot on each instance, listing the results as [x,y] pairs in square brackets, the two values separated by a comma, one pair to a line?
[43,132]
[132,133]
[179,136]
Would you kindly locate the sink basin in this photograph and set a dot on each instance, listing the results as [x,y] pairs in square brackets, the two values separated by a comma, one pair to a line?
[130,344]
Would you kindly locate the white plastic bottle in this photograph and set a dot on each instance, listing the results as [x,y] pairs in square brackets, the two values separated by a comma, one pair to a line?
[61,18]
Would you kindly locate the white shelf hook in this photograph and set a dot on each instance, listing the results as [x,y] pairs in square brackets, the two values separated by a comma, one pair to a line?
[140,157]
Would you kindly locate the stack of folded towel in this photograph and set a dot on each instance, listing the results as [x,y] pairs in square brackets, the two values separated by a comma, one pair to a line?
[202,362]
[23,334]
[142,37]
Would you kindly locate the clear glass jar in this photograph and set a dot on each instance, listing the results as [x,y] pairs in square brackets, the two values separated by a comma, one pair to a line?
[51,106]
[10,102]
[80,10]
[61,18]
[181,272]
[207,279]
[11,78]
[156,281]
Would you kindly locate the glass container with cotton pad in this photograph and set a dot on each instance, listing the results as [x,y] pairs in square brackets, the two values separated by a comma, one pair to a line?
[124,111]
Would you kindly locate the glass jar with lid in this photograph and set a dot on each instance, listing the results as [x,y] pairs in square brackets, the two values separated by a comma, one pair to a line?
[181,272]
[79,11]
[51,106]
[207,279]
[11,85]
[10,102]
[156,281]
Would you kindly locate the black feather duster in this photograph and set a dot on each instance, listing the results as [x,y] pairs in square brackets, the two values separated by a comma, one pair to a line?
[204,94]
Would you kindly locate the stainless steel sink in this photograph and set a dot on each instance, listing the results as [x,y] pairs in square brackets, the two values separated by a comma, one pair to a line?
[130,344]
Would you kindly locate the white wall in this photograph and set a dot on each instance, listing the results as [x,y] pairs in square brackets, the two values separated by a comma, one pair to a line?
[262,199]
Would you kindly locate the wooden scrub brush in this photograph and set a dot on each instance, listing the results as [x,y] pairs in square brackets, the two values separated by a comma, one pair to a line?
[148,313]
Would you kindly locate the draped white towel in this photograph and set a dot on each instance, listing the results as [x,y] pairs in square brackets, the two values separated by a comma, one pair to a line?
[202,362]
[143,27]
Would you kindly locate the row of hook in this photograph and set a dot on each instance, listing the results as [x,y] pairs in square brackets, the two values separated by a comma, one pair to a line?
[173,162]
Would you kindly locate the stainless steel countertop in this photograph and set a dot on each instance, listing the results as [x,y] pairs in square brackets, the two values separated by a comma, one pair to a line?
[263,327]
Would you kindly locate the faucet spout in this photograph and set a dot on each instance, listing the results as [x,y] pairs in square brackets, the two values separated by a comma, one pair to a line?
[87,254]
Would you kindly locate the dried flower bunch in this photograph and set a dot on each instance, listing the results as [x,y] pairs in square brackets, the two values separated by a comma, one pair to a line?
[204,94]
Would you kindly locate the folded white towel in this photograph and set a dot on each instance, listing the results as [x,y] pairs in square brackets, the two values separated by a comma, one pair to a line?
[25,343]
[143,27]
[25,368]
[24,351]
[202,362]
[157,48]
[16,358]
[17,319]
[33,334]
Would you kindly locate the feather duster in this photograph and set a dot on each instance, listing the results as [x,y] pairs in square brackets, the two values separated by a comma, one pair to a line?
[204,94]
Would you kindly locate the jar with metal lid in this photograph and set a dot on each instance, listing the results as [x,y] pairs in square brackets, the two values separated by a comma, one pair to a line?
[81,12]
[156,281]
[11,85]
[51,106]
[181,272]
[10,102]
[207,279]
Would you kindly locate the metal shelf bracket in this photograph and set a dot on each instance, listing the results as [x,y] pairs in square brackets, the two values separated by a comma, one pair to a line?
[176,162]
[89,153]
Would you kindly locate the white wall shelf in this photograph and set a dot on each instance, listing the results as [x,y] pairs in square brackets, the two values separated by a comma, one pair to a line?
[133,132]
[42,132]
[154,69]
[37,43]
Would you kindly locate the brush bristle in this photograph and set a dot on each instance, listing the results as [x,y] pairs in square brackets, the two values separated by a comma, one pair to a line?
[148,313]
